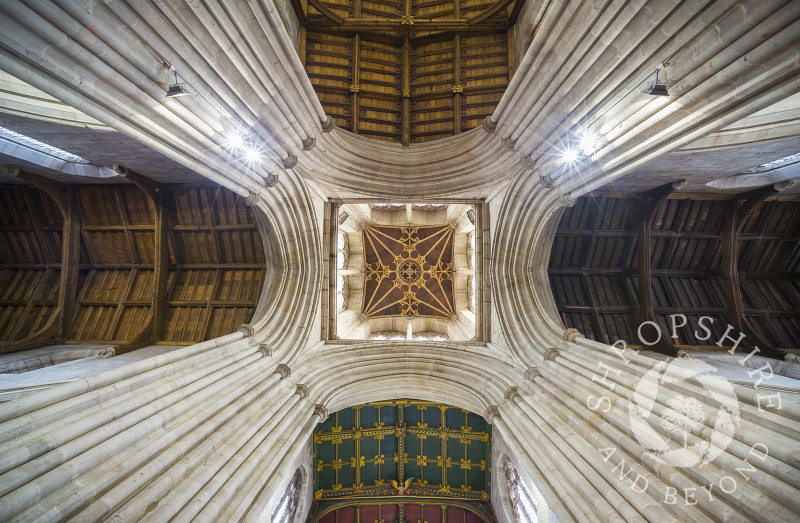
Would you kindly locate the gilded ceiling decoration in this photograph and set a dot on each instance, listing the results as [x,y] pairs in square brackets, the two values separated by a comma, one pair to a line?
[408,271]
[402,458]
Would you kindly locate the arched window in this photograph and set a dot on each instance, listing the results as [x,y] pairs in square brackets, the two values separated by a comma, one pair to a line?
[287,506]
[521,499]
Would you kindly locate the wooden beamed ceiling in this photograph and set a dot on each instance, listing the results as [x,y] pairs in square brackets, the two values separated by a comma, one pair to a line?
[736,261]
[127,265]
[408,70]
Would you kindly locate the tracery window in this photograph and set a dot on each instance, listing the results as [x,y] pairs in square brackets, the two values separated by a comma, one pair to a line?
[286,507]
[388,335]
[430,336]
[342,256]
[521,498]
[342,251]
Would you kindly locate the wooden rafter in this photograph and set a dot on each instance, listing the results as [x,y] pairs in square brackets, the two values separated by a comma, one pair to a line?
[396,24]
[515,11]
[327,13]
[738,211]
[495,9]
[648,203]
[300,12]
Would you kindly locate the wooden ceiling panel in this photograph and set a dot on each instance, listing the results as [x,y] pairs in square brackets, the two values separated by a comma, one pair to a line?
[381,9]
[408,71]
[240,286]
[594,267]
[116,283]
[94,322]
[185,324]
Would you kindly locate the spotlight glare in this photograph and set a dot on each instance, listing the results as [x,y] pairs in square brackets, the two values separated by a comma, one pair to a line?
[588,143]
[570,155]
[235,141]
[253,155]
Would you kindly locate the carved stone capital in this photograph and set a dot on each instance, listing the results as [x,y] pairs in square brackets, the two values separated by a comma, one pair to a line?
[108,352]
[567,200]
[290,161]
[309,143]
[265,350]
[11,170]
[270,180]
[489,125]
[782,186]
[247,329]
[321,411]
[686,355]
[509,144]
[252,199]
[550,354]
[302,390]
[491,413]
[511,393]
[571,335]
[792,358]
[531,373]
[679,184]
[283,370]
[328,124]
[549,182]
[528,162]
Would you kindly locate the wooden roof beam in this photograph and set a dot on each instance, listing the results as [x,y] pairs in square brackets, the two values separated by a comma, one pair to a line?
[396,25]
[491,11]
[153,329]
[515,11]
[300,12]
[647,205]
[739,210]
[57,327]
[327,13]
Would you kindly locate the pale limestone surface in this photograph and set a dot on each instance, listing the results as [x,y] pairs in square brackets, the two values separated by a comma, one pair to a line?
[213,432]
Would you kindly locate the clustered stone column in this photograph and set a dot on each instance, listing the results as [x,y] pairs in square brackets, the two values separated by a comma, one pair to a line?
[203,433]
[575,407]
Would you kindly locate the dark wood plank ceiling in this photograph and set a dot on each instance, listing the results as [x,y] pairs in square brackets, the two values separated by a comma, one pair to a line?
[191,254]
[596,267]
[408,70]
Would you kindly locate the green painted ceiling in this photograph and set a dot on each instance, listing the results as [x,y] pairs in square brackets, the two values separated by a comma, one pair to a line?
[361,450]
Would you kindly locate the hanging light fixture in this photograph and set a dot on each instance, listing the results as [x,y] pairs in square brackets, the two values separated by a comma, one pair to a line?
[177,89]
[656,88]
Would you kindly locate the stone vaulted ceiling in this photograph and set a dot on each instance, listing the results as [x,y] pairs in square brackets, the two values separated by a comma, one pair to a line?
[408,271]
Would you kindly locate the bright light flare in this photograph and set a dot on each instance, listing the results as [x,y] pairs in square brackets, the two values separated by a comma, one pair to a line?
[588,143]
[569,155]
[253,155]
[235,141]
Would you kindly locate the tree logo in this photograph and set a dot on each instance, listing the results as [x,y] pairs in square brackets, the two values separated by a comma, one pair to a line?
[667,418]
